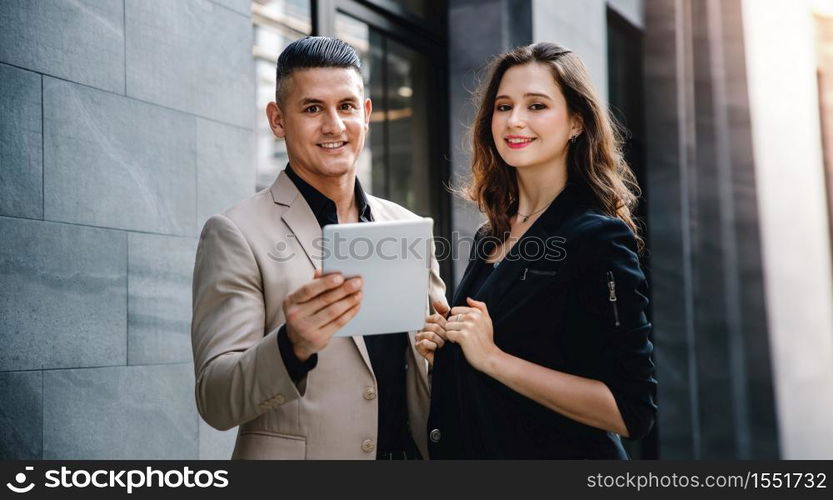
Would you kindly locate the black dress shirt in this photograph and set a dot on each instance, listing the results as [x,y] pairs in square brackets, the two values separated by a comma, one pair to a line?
[386,352]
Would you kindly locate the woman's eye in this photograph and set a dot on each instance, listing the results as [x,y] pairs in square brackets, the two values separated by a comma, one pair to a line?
[503,107]
[537,106]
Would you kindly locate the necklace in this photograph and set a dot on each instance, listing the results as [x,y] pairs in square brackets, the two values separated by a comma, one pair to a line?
[527,216]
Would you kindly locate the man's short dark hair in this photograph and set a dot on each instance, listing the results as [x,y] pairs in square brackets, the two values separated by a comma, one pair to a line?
[313,52]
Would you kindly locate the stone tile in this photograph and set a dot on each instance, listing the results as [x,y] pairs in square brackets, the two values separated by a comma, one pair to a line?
[214,444]
[242,6]
[82,40]
[159,272]
[117,413]
[21,415]
[21,143]
[193,56]
[226,168]
[115,162]
[63,299]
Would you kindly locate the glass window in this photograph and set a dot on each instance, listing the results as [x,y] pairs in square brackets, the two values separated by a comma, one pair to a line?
[276,24]
[395,163]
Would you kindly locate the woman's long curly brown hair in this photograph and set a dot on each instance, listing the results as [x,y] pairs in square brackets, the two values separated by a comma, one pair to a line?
[594,161]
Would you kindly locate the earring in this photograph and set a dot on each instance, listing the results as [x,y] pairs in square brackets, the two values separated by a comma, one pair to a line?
[574,138]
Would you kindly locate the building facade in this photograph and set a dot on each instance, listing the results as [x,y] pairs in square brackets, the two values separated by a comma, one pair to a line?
[127,123]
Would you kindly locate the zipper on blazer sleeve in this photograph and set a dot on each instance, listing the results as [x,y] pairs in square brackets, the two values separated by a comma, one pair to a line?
[611,287]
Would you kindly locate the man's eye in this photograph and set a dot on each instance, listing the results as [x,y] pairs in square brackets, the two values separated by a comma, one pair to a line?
[347,106]
[312,109]
[503,107]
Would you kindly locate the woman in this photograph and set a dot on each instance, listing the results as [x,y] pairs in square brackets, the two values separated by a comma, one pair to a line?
[545,353]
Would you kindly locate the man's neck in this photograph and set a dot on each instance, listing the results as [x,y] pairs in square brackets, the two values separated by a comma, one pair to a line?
[340,189]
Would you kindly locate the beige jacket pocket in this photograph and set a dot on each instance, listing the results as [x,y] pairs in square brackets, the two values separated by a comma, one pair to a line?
[264,445]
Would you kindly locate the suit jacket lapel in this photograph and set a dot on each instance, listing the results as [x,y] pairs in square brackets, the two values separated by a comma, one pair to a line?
[472,269]
[300,220]
[298,217]
[514,267]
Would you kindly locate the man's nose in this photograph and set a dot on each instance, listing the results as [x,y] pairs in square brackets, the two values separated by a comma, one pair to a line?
[333,124]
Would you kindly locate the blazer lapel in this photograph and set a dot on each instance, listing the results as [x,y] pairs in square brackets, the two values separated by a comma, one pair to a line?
[513,269]
[298,217]
[471,270]
[300,220]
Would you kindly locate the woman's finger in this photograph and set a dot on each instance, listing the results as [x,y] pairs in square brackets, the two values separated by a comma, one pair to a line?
[435,337]
[459,310]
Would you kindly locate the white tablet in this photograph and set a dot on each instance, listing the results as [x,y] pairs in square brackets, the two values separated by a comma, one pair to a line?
[394,260]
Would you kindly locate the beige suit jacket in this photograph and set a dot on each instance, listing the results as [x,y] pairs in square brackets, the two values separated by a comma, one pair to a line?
[249,259]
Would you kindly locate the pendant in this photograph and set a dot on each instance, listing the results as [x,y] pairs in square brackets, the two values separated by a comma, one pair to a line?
[526,218]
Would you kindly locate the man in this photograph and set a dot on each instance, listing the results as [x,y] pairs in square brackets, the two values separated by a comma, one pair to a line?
[264,317]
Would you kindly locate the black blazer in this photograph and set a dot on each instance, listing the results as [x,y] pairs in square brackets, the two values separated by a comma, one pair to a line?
[550,303]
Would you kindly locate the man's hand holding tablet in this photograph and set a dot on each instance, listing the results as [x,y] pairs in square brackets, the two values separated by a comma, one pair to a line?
[317,310]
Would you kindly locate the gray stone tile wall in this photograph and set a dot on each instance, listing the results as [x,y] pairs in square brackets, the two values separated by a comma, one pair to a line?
[21,415]
[80,40]
[120,412]
[178,56]
[225,167]
[124,124]
[159,272]
[63,302]
[116,162]
[21,155]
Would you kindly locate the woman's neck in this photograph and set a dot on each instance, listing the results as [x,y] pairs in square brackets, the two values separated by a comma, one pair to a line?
[538,186]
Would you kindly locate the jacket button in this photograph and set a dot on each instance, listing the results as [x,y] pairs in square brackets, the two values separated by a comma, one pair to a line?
[368,446]
[369,393]
[435,436]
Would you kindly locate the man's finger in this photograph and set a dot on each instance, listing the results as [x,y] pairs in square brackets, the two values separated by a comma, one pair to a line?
[330,314]
[316,287]
[335,325]
[321,301]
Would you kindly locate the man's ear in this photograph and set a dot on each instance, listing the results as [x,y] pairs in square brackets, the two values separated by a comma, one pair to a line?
[368,108]
[275,117]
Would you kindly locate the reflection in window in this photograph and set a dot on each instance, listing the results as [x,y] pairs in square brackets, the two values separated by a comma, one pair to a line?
[276,23]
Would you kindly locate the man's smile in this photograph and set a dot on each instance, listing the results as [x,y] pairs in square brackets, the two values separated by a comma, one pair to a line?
[332,146]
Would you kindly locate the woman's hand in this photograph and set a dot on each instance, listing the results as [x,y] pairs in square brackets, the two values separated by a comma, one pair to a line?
[471,327]
[432,335]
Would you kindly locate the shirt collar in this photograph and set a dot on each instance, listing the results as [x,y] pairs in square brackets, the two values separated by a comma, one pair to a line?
[324,208]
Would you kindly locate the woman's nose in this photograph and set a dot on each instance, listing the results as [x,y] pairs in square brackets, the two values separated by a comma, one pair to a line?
[516,119]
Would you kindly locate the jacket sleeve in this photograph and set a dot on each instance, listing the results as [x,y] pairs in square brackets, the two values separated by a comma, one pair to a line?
[238,366]
[614,291]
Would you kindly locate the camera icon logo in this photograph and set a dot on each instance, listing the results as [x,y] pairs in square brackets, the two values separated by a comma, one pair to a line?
[20,478]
